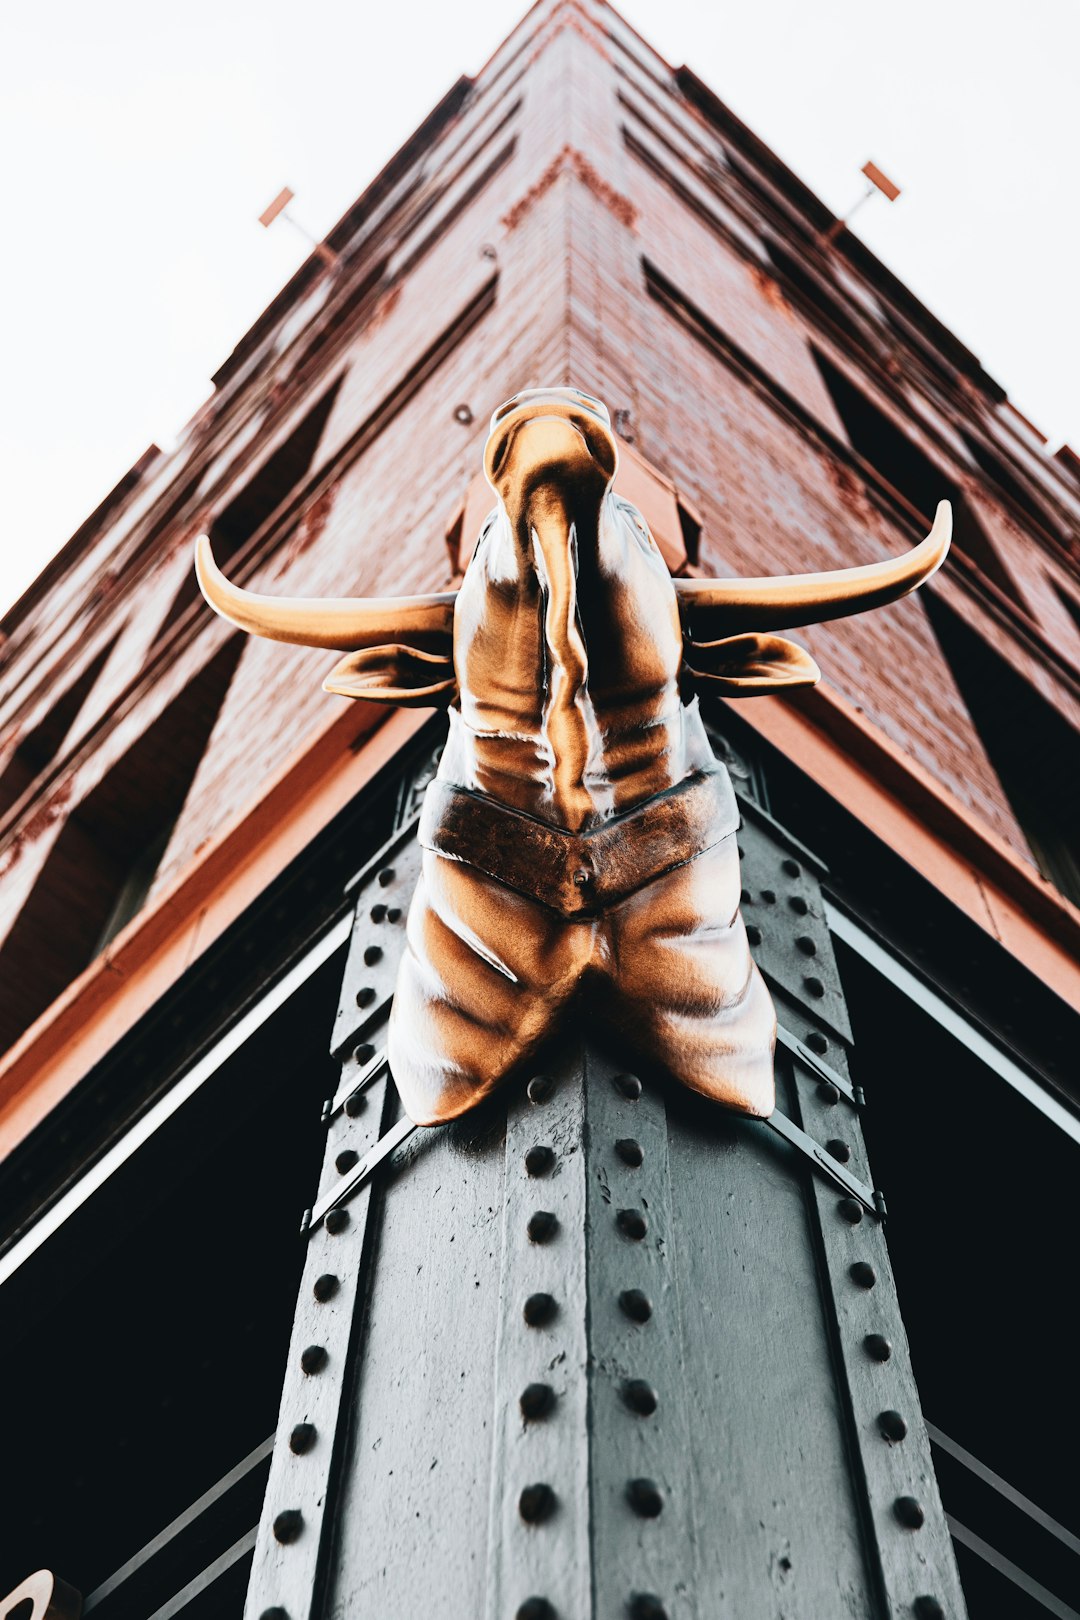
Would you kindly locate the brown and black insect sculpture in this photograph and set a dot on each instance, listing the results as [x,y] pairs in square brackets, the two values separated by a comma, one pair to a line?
[579,839]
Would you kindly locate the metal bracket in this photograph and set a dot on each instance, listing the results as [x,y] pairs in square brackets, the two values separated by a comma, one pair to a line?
[870,1199]
[361,1172]
[355,1084]
[818,1067]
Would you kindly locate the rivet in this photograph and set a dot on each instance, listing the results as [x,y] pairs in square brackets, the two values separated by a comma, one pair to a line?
[627,1085]
[337,1221]
[372,955]
[631,1223]
[639,1395]
[877,1347]
[536,1503]
[644,1497]
[909,1512]
[387,876]
[828,1093]
[355,1104]
[838,1149]
[393,915]
[345,1160]
[769,896]
[365,996]
[645,1606]
[276,1613]
[629,1151]
[536,1401]
[850,1210]
[288,1525]
[745,897]
[314,1358]
[539,1088]
[538,1309]
[363,1053]
[817,1042]
[792,868]
[543,1225]
[892,1425]
[753,934]
[539,1160]
[463,414]
[302,1438]
[534,1608]
[325,1287]
[806,945]
[814,987]
[378,913]
[635,1304]
[798,905]
[863,1273]
[928,1608]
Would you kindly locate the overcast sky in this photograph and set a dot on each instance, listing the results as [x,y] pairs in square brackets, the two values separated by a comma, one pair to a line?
[141,142]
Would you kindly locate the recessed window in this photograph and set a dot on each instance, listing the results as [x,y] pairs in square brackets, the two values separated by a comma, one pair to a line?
[1034,752]
[1000,473]
[100,868]
[814,291]
[911,474]
[40,746]
[257,502]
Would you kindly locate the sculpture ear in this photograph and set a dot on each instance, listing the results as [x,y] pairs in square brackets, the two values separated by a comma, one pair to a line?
[749,666]
[395,674]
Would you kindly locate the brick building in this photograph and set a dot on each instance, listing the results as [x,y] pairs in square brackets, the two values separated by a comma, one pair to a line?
[184,814]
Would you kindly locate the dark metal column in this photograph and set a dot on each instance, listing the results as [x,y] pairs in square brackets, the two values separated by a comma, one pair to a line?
[599,1348]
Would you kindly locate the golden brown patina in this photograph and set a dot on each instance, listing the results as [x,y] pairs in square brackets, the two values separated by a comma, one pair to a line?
[579,842]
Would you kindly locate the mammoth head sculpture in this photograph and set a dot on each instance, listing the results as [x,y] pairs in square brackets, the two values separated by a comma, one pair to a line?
[579,839]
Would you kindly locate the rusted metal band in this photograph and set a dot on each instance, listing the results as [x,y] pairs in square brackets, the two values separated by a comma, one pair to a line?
[579,874]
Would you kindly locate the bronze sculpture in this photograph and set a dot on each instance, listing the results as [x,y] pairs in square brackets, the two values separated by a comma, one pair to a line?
[579,840]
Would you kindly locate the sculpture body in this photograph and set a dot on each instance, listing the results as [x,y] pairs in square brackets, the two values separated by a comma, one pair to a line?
[579,841]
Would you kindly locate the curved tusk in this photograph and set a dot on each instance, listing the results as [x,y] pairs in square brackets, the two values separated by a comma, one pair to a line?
[797,599]
[347,625]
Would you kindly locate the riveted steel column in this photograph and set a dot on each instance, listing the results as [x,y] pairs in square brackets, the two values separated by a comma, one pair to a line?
[297,1516]
[540,1514]
[909,1545]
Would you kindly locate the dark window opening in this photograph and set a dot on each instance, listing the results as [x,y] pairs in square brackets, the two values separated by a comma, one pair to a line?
[978,1263]
[814,291]
[251,509]
[1069,603]
[40,747]
[998,471]
[100,869]
[911,474]
[1034,752]
[148,1336]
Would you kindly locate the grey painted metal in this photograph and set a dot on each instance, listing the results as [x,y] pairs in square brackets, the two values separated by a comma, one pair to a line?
[632,1362]
[908,1563]
[290,1552]
[746,1404]
[548,1559]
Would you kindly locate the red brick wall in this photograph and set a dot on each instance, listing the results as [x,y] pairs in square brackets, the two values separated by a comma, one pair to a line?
[564,224]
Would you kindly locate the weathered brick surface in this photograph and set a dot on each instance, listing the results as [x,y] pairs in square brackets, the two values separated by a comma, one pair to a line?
[564,222]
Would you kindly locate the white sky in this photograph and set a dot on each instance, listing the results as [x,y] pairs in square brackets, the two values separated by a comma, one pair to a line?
[142,140]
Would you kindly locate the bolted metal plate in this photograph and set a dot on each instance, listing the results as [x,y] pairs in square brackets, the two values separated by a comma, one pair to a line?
[785,920]
[383,892]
